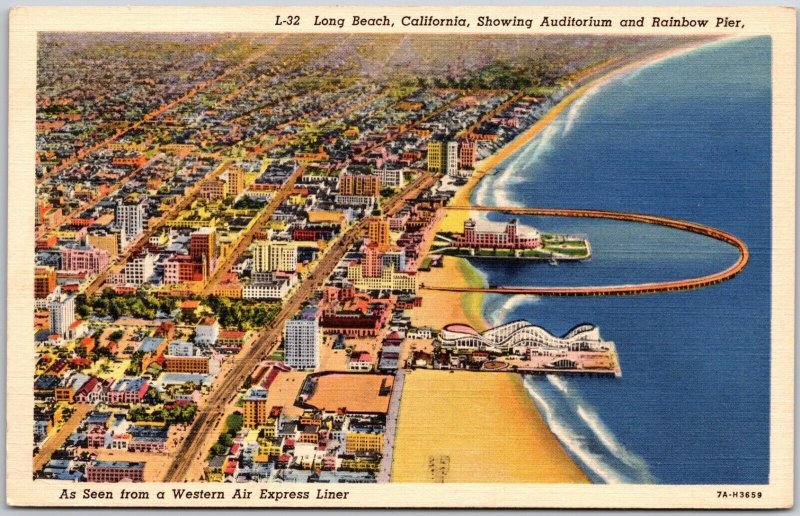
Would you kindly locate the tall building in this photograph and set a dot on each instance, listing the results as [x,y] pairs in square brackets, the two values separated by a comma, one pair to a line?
[360,185]
[436,152]
[235,181]
[468,153]
[203,243]
[443,157]
[255,409]
[203,248]
[140,268]
[373,265]
[62,314]
[44,282]
[270,256]
[129,216]
[396,259]
[451,159]
[302,337]
[378,231]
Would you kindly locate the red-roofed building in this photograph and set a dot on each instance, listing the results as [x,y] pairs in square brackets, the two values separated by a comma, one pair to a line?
[80,363]
[359,361]
[231,467]
[91,392]
[284,461]
[189,307]
[165,331]
[231,341]
[86,346]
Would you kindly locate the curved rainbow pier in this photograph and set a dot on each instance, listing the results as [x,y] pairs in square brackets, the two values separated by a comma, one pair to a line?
[615,290]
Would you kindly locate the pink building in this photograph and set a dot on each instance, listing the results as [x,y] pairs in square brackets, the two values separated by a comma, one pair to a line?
[128,390]
[92,392]
[84,259]
[182,269]
[115,471]
[96,437]
[373,266]
[509,238]
[467,153]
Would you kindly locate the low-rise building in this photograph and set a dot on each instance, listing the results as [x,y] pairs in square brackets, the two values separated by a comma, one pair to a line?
[128,390]
[191,364]
[359,361]
[115,471]
[207,331]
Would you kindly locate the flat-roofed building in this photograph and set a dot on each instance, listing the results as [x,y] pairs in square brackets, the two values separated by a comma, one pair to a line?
[44,282]
[129,217]
[62,314]
[270,256]
[84,259]
[359,185]
[115,471]
[302,337]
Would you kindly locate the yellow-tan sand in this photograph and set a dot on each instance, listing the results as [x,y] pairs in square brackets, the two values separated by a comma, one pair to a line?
[441,307]
[479,427]
[475,427]
[453,221]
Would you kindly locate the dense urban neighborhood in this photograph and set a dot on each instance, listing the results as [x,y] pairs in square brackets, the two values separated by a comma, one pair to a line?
[234,234]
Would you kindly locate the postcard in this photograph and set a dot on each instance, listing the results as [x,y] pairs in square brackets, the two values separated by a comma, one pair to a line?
[401,257]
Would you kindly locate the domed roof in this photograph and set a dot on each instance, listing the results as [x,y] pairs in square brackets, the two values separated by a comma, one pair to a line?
[461,328]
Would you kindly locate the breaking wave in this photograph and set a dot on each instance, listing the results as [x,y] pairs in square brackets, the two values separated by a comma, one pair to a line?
[574,111]
[583,434]
[509,305]
[496,190]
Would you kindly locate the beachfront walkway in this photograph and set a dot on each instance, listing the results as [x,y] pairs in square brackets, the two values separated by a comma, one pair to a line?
[392,414]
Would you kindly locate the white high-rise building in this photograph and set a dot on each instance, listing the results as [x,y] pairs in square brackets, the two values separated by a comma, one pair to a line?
[129,217]
[302,337]
[272,256]
[62,314]
[140,269]
[451,158]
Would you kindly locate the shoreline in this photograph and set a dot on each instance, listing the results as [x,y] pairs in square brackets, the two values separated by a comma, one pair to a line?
[470,408]
[468,308]
[453,221]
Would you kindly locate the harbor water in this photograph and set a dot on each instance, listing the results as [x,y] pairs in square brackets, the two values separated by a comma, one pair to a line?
[687,137]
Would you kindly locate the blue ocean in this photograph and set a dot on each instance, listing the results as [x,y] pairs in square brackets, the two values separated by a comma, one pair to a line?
[687,137]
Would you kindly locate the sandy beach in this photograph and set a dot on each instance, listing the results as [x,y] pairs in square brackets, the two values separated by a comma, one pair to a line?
[441,307]
[474,427]
[454,220]
[481,427]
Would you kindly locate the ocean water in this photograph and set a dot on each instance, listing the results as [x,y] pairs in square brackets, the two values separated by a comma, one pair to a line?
[688,137]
